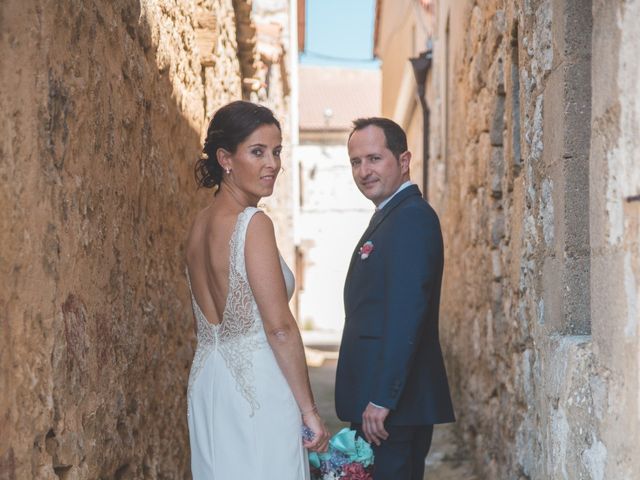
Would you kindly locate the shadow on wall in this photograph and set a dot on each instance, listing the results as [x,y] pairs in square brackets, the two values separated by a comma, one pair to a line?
[103,111]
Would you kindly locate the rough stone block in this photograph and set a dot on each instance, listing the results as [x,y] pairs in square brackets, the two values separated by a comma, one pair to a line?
[496,171]
[207,37]
[497,228]
[496,265]
[497,123]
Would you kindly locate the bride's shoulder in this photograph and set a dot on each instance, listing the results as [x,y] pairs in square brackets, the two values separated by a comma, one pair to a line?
[260,226]
[258,220]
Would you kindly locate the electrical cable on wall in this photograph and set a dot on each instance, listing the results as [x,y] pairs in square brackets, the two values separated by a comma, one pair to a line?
[324,56]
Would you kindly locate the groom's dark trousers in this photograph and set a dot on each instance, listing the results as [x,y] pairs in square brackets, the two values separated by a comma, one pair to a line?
[402,455]
[390,352]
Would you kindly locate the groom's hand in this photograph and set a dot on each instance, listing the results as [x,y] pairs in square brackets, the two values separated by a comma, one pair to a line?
[373,419]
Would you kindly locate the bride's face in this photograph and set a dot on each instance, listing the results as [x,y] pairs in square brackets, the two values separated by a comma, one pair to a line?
[256,162]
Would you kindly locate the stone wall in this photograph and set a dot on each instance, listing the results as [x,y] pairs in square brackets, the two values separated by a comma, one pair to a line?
[104,105]
[535,103]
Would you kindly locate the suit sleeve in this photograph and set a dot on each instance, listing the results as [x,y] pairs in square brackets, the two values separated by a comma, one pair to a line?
[413,270]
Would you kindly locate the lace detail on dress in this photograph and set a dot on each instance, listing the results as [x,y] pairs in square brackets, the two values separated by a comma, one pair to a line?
[240,332]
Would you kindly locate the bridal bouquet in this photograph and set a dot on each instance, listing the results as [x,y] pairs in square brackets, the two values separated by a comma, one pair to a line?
[348,458]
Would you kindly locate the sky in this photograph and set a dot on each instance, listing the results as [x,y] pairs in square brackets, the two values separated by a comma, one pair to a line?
[340,32]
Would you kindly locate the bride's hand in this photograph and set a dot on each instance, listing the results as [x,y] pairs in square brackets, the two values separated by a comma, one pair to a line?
[320,440]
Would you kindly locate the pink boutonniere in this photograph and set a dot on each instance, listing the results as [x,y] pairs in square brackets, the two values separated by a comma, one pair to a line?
[365,250]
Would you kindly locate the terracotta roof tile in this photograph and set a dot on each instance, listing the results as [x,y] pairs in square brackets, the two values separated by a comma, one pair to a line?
[332,97]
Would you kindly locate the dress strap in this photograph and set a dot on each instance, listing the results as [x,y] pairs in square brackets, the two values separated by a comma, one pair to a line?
[243,221]
[239,237]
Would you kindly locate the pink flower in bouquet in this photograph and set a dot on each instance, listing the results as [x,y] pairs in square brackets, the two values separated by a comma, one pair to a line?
[355,471]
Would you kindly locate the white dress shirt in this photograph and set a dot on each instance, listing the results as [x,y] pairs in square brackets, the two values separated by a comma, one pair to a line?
[388,199]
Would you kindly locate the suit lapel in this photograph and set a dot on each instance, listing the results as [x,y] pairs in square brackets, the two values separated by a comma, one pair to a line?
[406,193]
[399,198]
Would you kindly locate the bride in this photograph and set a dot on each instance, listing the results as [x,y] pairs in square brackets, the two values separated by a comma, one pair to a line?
[249,393]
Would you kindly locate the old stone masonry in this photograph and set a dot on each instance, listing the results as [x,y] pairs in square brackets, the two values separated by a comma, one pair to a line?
[535,167]
[104,105]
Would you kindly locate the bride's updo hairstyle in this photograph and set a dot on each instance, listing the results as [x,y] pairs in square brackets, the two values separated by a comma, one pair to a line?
[230,126]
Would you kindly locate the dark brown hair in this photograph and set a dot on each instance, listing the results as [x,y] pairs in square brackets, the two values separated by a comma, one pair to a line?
[229,127]
[394,136]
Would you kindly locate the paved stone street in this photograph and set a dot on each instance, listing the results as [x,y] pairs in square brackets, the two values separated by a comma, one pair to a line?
[446,460]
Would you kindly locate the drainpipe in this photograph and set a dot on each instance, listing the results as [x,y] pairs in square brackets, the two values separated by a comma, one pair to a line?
[421,66]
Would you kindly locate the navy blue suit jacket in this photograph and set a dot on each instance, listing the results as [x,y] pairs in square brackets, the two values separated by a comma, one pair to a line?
[390,352]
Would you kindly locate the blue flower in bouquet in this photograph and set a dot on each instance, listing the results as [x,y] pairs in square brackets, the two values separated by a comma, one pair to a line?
[356,449]
[345,456]
[337,460]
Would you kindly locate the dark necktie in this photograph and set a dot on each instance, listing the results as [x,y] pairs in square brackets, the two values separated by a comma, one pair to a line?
[374,218]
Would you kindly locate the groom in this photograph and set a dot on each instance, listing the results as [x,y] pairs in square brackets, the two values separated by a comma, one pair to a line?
[391,382]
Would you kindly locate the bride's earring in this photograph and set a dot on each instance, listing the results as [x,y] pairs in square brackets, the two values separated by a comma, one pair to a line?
[228,170]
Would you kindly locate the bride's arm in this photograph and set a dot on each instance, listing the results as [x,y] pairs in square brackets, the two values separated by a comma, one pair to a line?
[267,284]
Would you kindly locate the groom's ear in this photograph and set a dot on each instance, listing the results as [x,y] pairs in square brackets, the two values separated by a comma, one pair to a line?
[405,160]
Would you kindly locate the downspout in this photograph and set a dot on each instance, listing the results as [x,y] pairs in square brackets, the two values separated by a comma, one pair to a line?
[421,66]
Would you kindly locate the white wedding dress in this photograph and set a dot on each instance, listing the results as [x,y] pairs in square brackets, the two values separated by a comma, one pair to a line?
[244,423]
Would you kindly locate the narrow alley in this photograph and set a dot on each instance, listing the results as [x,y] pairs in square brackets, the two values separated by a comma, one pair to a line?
[522,121]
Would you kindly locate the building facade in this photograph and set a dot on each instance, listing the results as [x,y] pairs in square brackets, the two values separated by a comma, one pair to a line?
[332,211]
[404,30]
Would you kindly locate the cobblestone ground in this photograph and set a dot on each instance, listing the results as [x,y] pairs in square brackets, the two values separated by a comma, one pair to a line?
[446,459]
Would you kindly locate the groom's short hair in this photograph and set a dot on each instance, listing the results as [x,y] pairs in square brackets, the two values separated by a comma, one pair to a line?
[394,136]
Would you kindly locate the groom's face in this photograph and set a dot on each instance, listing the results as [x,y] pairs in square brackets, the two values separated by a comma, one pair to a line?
[376,171]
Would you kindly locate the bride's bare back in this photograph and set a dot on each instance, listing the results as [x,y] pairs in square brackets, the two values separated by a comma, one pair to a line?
[208,259]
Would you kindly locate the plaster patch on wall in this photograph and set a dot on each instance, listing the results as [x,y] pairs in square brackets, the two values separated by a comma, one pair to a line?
[631,291]
[527,446]
[625,158]
[527,375]
[540,312]
[537,145]
[546,211]
[527,82]
[599,394]
[624,179]
[559,439]
[571,414]
[628,74]
[542,37]
[531,191]
[542,43]
[594,459]
[614,207]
